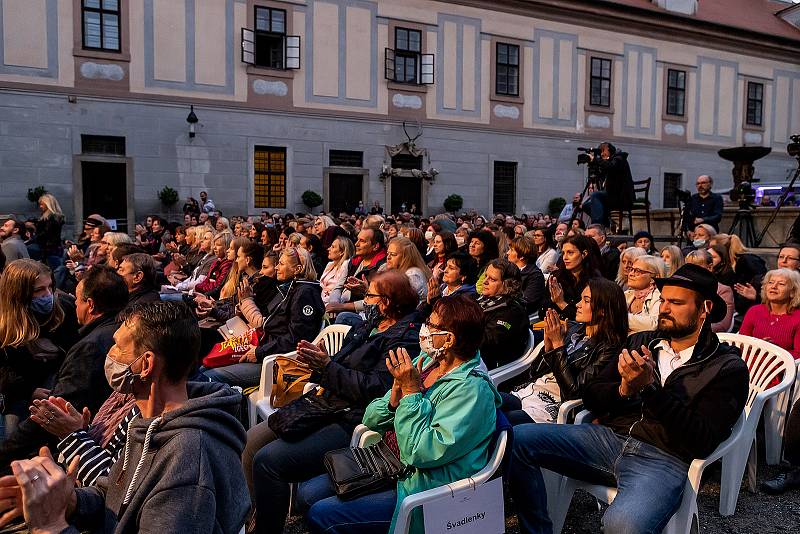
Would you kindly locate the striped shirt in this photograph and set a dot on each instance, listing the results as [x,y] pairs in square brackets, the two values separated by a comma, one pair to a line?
[95,461]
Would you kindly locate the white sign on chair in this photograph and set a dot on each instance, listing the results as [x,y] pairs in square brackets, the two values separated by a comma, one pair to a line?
[477,510]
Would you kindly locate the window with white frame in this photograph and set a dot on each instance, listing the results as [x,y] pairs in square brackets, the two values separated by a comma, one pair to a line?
[405,63]
[267,45]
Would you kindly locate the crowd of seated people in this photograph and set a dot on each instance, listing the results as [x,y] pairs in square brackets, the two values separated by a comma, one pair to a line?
[102,343]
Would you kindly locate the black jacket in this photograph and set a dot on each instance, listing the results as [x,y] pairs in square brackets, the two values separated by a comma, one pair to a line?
[610,258]
[369,271]
[295,313]
[618,181]
[80,380]
[505,334]
[143,296]
[357,373]
[48,235]
[576,369]
[532,287]
[692,413]
[750,269]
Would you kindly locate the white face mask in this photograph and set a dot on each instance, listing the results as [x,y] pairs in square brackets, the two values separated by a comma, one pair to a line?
[119,375]
[426,342]
[428,235]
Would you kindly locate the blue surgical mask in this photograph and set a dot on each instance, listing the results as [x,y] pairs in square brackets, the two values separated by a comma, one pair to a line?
[42,305]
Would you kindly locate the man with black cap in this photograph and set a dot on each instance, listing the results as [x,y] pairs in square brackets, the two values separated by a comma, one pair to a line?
[673,395]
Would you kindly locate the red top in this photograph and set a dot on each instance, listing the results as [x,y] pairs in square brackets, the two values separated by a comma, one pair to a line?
[216,276]
[781,330]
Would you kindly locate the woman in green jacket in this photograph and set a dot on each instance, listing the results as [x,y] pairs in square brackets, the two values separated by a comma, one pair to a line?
[439,417]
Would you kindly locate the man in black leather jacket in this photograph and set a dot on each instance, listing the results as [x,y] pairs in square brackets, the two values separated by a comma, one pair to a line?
[616,190]
[672,396]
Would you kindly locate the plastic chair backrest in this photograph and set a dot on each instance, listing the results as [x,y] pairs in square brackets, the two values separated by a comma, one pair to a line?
[765,361]
[334,337]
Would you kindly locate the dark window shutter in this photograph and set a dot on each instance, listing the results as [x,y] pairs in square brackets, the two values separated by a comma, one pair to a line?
[388,55]
[292,52]
[248,46]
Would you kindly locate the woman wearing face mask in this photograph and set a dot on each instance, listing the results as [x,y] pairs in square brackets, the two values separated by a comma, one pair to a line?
[643,298]
[673,257]
[573,354]
[356,374]
[439,417]
[294,314]
[506,323]
[430,236]
[37,328]
[701,238]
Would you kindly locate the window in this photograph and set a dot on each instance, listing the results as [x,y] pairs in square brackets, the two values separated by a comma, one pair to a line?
[405,63]
[345,158]
[100,22]
[507,70]
[600,82]
[270,177]
[268,45]
[672,184]
[103,144]
[676,92]
[505,187]
[755,104]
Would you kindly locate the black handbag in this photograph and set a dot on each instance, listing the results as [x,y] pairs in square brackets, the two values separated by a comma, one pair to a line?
[357,471]
[305,415]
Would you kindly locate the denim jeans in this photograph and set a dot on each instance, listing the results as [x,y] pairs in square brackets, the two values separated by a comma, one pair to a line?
[280,463]
[244,375]
[349,319]
[597,208]
[650,482]
[328,514]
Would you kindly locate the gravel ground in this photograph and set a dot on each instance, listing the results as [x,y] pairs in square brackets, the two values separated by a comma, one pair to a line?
[755,512]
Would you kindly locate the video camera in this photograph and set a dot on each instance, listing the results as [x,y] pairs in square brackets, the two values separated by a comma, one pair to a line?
[592,164]
[793,148]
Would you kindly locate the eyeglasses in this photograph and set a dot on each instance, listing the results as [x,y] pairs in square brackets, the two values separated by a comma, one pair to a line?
[374,295]
[638,272]
[786,258]
[435,327]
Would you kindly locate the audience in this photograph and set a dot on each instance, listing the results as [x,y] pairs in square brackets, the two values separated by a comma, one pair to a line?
[477,291]
[574,353]
[651,424]
[439,416]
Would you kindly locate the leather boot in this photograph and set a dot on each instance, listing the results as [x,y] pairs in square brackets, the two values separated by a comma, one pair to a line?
[783,482]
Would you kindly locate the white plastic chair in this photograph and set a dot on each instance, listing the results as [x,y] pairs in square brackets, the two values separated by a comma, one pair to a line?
[362,437]
[766,363]
[560,489]
[518,366]
[775,416]
[259,401]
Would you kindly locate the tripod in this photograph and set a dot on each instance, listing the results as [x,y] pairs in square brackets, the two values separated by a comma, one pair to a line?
[743,225]
[781,200]
[683,222]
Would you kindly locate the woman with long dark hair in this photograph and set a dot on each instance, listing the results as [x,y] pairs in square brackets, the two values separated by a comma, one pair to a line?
[444,244]
[483,247]
[574,353]
[580,262]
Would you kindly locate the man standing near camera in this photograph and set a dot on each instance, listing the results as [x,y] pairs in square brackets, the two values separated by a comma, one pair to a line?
[704,206]
[615,190]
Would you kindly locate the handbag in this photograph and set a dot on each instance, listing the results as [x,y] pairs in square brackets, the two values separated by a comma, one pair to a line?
[306,414]
[291,377]
[229,351]
[357,471]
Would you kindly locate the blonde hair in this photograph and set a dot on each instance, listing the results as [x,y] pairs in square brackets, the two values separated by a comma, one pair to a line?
[655,263]
[700,257]
[52,207]
[225,237]
[17,324]
[302,257]
[629,253]
[225,222]
[327,222]
[232,281]
[410,256]
[293,239]
[117,238]
[347,248]
[794,279]
[676,258]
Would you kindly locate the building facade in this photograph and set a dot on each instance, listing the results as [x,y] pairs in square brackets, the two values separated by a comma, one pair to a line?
[295,95]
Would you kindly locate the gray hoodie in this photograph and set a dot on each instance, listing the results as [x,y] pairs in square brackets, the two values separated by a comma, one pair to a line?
[180,472]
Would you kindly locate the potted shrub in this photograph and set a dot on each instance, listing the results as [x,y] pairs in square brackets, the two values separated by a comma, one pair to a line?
[453,203]
[168,197]
[35,192]
[312,200]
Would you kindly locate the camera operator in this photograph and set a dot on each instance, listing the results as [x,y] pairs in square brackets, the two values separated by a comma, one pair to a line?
[615,187]
[704,206]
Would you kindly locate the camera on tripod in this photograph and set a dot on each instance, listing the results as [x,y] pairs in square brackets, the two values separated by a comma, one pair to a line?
[683,195]
[592,164]
[793,148]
